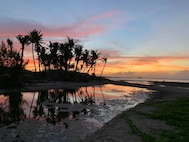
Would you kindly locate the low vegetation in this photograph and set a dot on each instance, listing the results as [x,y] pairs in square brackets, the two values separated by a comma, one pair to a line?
[134,130]
[175,113]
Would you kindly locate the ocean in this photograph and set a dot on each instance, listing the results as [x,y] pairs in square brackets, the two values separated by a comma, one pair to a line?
[146,80]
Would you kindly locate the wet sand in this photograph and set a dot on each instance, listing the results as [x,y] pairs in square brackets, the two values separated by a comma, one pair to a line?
[116,130]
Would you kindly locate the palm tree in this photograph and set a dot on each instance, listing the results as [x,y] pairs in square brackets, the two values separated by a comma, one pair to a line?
[10,44]
[44,58]
[54,46]
[104,59]
[66,50]
[10,51]
[24,41]
[69,47]
[36,39]
[71,42]
[94,57]
[78,53]
[85,58]
[61,59]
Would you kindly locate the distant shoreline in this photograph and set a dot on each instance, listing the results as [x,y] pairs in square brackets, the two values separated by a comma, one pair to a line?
[148,79]
[65,84]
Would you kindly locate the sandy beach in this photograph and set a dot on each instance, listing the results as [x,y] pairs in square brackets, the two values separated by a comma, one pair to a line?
[116,130]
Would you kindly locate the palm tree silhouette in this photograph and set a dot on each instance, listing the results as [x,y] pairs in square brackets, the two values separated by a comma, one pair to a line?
[36,39]
[10,52]
[56,55]
[85,58]
[104,59]
[54,46]
[24,41]
[78,53]
[66,50]
[10,44]
[44,58]
[94,57]
[69,46]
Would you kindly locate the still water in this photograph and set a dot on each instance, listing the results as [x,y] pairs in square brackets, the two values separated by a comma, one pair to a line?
[94,104]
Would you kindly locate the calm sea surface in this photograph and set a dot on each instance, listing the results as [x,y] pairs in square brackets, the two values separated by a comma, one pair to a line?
[146,80]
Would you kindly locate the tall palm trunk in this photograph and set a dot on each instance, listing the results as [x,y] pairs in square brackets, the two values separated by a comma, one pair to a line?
[95,68]
[39,64]
[33,57]
[103,69]
[39,67]
[76,66]
[22,55]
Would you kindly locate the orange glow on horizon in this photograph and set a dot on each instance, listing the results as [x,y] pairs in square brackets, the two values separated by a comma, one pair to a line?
[112,68]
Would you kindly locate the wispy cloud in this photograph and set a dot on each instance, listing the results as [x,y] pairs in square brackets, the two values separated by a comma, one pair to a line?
[104,15]
[82,28]
[119,63]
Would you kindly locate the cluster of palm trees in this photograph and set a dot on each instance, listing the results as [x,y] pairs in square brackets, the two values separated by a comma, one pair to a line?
[34,38]
[68,55]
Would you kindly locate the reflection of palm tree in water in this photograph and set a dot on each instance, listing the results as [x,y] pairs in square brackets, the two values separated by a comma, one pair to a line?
[51,101]
[16,112]
[51,115]
[102,95]
[38,109]
[31,104]
[89,99]
[11,109]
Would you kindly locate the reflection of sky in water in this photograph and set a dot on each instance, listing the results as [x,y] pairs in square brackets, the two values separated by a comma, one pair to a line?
[117,99]
[109,100]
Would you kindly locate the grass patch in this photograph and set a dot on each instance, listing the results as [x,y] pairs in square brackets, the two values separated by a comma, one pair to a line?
[174,113]
[145,137]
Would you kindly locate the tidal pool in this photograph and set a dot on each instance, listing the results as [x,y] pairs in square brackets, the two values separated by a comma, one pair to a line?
[68,110]
[94,102]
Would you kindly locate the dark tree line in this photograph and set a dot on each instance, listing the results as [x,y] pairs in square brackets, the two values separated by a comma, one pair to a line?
[69,55]
[11,65]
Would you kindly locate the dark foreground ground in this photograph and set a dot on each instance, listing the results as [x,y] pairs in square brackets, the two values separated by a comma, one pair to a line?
[162,118]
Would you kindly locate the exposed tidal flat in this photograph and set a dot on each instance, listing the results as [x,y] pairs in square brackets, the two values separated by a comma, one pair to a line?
[163,116]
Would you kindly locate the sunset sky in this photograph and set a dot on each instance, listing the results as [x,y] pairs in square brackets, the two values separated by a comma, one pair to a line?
[137,36]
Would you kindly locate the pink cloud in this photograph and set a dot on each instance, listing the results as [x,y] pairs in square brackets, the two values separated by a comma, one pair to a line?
[13,27]
[110,53]
[83,28]
[105,15]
